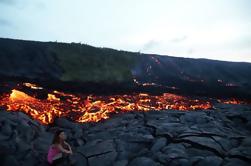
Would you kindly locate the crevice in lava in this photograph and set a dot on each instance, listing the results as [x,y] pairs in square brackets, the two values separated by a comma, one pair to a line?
[116,147]
[207,135]
[196,162]
[172,159]
[199,146]
[99,154]
[232,118]
[218,143]
[87,161]
[153,131]
[200,135]
[240,157]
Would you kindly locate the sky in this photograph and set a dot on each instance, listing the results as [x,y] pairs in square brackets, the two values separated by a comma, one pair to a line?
[212,29]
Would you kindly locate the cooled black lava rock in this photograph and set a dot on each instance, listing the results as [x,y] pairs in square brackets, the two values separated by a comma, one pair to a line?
[136,138]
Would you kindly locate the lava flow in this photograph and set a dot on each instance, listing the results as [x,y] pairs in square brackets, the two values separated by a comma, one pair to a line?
[91,108]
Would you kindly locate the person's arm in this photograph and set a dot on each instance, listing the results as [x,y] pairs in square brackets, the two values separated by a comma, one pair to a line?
[64,150]
[69,147]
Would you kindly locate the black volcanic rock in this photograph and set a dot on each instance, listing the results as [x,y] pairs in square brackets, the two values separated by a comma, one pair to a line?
[158,144]
[135,138]
[142,161]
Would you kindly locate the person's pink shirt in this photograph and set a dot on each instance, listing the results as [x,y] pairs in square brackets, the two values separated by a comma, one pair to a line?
[53,151]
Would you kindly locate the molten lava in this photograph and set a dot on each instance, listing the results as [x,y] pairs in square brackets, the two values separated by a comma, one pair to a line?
[231,101]
[90,108]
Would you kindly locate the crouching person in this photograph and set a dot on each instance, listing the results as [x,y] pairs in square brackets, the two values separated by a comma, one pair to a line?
[59,150]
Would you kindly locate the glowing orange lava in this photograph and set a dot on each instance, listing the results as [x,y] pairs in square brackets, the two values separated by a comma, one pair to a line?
[94,108]
[91,108]
[231,101]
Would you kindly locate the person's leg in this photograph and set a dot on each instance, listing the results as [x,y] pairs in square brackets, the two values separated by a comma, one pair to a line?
[58,160]
[58,156]
[72,159]
[66,158]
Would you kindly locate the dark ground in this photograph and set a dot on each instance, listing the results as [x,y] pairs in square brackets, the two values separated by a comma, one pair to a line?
[215,137]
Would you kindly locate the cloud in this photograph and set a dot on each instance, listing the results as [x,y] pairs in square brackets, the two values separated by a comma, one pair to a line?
[190,51]
[179,39]
[150,45]
[5,23]
[40,5]
[8,2]
[21,4]
[244,42]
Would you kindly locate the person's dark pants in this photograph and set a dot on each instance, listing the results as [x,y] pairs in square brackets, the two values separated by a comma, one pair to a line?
[64,160]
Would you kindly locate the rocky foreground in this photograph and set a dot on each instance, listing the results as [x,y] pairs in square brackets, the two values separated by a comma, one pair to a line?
[216,137]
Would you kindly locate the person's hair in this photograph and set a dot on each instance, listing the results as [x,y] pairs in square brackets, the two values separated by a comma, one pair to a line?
[56,138]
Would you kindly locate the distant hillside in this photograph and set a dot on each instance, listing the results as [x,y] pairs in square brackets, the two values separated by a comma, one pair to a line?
[78,64]
[65,62]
